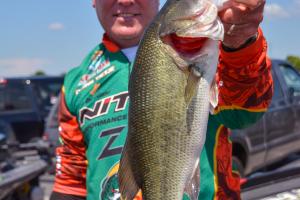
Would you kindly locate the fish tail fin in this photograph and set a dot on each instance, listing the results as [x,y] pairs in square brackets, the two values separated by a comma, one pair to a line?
[192,84]
[127,181]
[192,187]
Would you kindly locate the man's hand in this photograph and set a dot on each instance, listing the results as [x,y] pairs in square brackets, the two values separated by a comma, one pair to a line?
[241,21]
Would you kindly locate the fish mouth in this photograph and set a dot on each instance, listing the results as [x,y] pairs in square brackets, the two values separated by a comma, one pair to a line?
[186,46]
[199,23]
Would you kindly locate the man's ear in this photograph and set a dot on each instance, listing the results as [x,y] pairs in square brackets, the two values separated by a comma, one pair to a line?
[94,3]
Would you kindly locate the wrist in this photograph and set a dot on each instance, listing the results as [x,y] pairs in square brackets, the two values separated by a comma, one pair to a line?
[248,42]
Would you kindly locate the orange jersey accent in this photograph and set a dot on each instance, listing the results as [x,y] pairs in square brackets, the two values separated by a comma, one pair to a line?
[244,78]
[71,161]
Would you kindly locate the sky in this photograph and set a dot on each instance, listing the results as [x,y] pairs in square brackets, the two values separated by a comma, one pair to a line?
[55,35]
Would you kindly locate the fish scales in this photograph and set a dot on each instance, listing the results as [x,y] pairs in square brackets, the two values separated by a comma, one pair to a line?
[159,150]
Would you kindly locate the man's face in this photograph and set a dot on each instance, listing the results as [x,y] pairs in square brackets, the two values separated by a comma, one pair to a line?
[125,20]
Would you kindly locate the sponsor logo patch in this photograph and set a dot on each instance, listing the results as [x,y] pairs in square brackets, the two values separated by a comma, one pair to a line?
[101,107]
[110,186]
[88,80]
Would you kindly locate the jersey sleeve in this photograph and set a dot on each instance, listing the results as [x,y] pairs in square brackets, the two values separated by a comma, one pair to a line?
[61,196]
[245,84]
[71,162]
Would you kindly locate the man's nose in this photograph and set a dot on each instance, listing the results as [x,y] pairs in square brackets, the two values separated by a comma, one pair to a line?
[126,2]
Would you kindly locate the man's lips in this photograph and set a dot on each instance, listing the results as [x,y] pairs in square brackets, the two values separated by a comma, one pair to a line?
[126,15]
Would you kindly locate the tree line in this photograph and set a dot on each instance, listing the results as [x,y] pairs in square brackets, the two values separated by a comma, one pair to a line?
[295,61]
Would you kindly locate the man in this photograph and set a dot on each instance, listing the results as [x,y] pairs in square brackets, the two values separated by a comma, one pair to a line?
[94,103]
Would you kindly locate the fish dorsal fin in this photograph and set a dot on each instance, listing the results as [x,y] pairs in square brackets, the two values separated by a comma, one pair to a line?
[192,187]
[192,84]
[127,181]
[214,95]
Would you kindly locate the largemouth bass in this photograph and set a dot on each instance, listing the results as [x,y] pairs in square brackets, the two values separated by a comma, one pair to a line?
[170,93]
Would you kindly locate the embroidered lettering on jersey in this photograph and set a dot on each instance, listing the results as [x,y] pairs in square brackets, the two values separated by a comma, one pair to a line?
[96,58]
[101,66]
[92,81]
[101,107]
[84,79]
[84,86]
[105,73]
[105,121]
[108,149]
[97,64]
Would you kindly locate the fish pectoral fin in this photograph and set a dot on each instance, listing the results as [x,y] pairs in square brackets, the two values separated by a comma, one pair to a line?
[192,85]
[192,187]
[173,54]
[214,94]
[127,181]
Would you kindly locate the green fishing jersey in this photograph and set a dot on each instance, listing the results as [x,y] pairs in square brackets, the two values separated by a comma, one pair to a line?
[93,121]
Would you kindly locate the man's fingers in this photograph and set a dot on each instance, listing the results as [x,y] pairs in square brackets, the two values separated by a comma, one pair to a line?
[236,35]
[241,21]
[252,4]
[235,15]
[244,30]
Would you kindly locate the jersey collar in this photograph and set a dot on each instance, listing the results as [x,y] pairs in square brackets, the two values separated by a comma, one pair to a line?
[109,44]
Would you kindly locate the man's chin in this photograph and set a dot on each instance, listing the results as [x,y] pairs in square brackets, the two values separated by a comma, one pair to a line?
[127,37]
[129,34]
[128,31]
